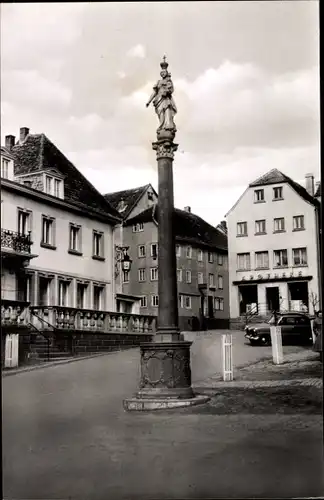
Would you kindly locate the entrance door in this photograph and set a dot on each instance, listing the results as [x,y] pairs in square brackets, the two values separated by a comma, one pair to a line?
[272,294]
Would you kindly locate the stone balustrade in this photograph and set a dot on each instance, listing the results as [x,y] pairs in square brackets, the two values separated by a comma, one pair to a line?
[86,320]
[14,313]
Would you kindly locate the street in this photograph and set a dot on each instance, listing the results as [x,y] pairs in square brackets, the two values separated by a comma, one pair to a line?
[66,435]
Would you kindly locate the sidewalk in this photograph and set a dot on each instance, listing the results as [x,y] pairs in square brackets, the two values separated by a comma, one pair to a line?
[298,369]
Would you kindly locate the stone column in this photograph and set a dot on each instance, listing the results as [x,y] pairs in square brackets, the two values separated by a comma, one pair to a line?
[168,319]
[165,362]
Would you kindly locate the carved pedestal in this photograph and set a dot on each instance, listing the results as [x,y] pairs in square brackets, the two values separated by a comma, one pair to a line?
[165,370]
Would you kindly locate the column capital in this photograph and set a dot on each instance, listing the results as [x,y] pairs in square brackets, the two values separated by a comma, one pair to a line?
[164,149]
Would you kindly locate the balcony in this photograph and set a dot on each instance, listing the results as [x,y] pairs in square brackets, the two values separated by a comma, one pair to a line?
[55,318]
[16,246]
[14,315]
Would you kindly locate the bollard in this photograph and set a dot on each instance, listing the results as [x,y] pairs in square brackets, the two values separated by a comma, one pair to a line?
[276,344]
[11,350]
[227,357]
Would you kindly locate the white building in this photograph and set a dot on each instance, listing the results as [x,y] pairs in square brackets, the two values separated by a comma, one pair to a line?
[273,242]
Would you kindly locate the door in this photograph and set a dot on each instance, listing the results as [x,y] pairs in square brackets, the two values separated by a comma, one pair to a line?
[303,329]
[287,324]
[43,291]
[273,302]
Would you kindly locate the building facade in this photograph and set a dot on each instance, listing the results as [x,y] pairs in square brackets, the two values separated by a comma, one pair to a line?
[273,243]
[202,266]
[58,257]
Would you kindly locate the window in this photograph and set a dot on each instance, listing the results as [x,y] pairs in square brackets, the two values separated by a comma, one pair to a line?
[154,250]
[220,282]
[125,276]
[48,185]
[187,302]
[242,229]
[278,225]
[137,228]
[144,301]
[81,295]
[179,275]
[200,255]
[57,187]
[200,278]
[280,258]
[63,293]
[243,262]
[260,226]
[277,193]
[188,276]
[210,257]
[155,300]
[219,303]
[261,260]
[75,238]
[220,259]
[178,250]
[189,252]
[24,217]
[298,223]
[23,287]
[97,297]
[142,275]
[150,196]
[141,251]
[287,320]
[299,257]
[5,168]
[98,244]
[154,273]
[48,231]
[258,195]
[211,280]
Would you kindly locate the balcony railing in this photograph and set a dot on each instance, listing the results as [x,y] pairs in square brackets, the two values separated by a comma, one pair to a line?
[20,243]
[68,318]
[14,313]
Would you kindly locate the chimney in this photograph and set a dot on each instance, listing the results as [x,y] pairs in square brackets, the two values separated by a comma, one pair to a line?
[223,224]
[187,209]
[310,184]
[10,141]
[24,131]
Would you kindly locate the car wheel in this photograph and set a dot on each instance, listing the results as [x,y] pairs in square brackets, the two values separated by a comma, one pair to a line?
[253,343]
[265,341]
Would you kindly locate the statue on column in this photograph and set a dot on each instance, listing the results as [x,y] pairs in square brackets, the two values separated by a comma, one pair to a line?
[163,102]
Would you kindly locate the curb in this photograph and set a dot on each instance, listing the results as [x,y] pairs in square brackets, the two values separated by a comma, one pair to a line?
[51,364]
[247,384]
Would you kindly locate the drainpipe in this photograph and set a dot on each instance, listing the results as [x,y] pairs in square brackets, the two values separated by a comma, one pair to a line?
[319,254]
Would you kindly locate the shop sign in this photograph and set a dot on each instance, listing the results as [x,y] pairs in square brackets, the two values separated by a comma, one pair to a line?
[272,276]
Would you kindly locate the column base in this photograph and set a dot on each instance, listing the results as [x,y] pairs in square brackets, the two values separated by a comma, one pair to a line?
[165,378]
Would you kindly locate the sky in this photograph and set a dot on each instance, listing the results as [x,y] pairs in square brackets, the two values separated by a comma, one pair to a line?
[246,78]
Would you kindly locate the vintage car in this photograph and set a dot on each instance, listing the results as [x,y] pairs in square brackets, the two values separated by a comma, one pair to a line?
[295,328]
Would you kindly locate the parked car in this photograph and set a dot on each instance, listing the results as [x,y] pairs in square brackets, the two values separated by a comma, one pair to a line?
[318,331]
[295,327]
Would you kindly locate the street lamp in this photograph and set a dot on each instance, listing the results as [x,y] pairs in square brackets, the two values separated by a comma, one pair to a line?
[122,257]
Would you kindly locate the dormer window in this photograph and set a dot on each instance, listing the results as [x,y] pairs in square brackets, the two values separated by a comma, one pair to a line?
[150,195]
[53,186]
[49,183]
[5,168]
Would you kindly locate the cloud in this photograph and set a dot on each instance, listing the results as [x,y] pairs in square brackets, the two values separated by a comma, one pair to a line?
[137,51]
[246,88]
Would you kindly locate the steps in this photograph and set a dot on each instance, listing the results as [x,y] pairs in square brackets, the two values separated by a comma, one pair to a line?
[39,350]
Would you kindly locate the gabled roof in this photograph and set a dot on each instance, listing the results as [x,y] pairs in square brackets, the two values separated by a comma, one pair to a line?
[6,152]
[129,197]
[188,227]
[274,176]
[37,153]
